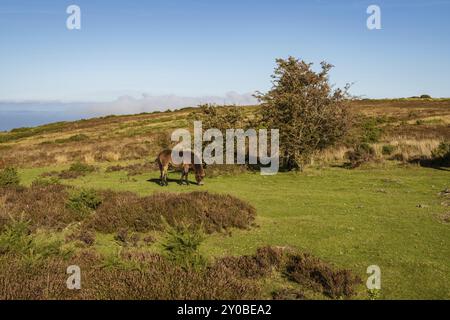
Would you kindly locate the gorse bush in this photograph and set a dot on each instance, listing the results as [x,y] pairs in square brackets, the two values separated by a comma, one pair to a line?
[181,244]
[17,239]
[81,167]
[76,170]
[45,182]
[9,177]
[84,201]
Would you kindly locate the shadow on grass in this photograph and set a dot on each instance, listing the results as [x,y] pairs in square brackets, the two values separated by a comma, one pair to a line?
[169,180]
[438,164]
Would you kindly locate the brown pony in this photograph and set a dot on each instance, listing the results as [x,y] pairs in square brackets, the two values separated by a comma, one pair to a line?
[165,159]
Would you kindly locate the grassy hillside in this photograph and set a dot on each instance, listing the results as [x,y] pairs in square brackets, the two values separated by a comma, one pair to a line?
[416,126]
[390,212]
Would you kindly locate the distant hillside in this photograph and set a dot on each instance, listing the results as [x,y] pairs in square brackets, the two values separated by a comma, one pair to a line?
[132,137]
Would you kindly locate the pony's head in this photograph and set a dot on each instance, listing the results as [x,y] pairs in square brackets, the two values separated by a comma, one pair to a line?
[199,174]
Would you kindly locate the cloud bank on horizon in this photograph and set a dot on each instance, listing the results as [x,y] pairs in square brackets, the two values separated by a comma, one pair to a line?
[149,103]
[128,104]
[15,114]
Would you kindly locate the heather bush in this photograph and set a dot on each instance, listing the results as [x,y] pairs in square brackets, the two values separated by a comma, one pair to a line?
[43,206]
[56,206]
[17,239]
[319,276]
[9,177]
[126,210]
[360,154]
[86,237]
[259,265]
[130,274]
[151,277]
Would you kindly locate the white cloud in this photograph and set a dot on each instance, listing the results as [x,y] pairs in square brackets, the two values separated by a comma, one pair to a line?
[149,103]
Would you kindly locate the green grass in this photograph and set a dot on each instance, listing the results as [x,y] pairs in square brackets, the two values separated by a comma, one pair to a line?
[351,218]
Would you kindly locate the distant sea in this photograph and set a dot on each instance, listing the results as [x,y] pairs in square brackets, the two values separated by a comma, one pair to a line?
[18,115]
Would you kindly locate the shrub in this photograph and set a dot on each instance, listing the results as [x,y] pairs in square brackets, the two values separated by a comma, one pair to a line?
[362,153]
[44,182]
[85,236]
[17,239]
[371,132]
[84,201]
[137,276]
[255,266]
[309,112]
[145,275]
[313,273]
[81,167]
[76,170]
[420,122]
[9,178]
[56,206]
[214,212]
[387,150]
[181,245]
[425,96]
[441,154]
[44,206]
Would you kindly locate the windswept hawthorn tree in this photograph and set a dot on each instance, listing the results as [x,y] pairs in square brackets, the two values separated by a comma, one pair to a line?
[310,114]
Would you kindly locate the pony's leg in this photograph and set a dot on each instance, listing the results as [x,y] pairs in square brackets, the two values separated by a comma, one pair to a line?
[186,175]
[166,169]
[161,174]
[183,175]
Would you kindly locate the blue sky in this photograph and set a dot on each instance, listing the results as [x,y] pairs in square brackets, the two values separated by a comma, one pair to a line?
[208,48]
